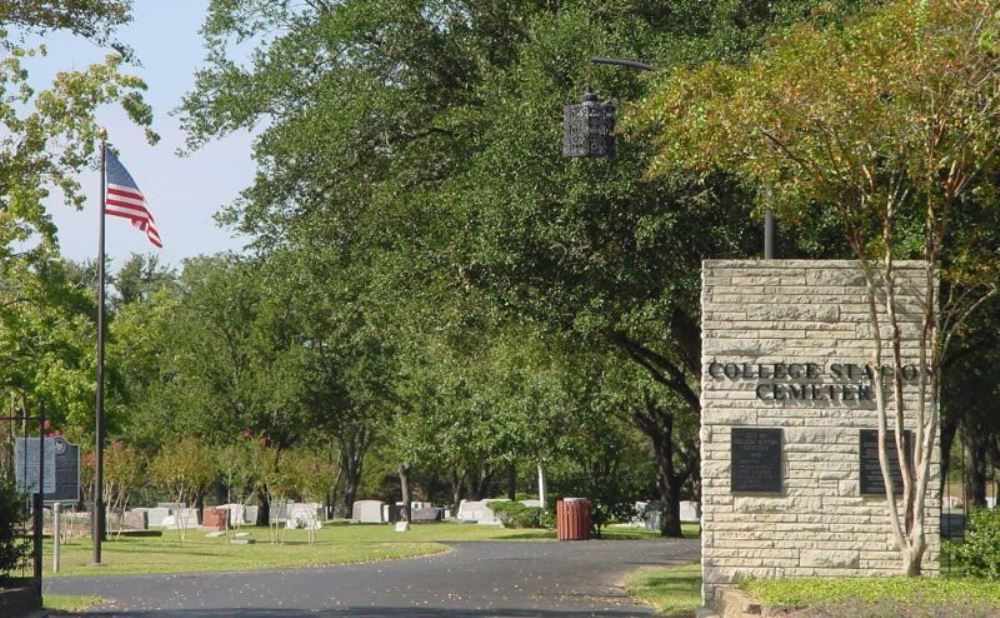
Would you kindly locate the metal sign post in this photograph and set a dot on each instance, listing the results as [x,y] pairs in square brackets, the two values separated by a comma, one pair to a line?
[36,487]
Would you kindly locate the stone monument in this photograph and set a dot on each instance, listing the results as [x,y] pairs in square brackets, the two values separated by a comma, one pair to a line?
[791,484]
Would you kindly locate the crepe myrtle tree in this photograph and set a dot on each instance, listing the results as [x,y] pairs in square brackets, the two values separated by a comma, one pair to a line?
[892,125]
[183,472]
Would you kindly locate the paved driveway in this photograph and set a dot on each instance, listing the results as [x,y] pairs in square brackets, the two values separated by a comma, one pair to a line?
[475,579]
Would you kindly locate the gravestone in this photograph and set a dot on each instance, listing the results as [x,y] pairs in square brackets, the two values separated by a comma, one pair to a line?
[279,511]
[368,511]
[690,511]
[479,511]
[182,518]
[390,513]
[136,519]
[250,514]
[237,513]
[428,514]
[156,516]
[215,517]
[790,481]
[472,510]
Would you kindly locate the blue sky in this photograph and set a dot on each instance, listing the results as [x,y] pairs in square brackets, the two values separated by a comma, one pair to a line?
[183,192]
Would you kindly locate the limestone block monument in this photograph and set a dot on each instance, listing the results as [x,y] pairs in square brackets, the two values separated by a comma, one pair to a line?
[791,482]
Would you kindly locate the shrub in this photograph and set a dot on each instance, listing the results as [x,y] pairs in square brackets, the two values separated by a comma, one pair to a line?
[516,515]
[13,545]
[980,553]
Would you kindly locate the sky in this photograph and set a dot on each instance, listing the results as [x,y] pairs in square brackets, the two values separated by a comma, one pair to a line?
[183,193]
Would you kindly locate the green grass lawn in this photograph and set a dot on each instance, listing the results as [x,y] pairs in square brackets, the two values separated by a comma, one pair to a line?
[336,544]
[877,596]
[673,591]
[676,591]
[70,602]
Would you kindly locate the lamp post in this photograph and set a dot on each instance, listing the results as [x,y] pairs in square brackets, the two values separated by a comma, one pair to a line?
[588,131]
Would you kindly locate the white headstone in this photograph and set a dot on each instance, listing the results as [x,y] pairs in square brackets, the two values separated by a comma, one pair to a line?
[250,515]
[368,511]
[469,510]
[188,518]
[479,512]
[489,517]
[157,516]
[237,514]
[402,526]
[690,511]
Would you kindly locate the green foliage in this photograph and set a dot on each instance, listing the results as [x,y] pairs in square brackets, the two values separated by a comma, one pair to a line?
[979,555]
[183,471]
[124,474]
[48,136]
[94,19]
[517,515]
[455,278]
[13,546]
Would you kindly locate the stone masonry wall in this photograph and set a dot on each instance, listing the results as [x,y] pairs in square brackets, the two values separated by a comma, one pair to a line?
[809,319]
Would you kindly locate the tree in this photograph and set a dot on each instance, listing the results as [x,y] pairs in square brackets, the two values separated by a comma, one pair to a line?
[441,121]
[47,137]
[183,471]
[891,123]
[139,278]
[125,472]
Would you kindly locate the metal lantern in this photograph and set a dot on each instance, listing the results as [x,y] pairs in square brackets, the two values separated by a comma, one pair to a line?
[588,128]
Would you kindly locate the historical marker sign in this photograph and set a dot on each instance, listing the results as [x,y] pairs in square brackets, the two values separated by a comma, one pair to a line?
[756,460]
[871,471]
[62,469]
[67,473]
[27,453]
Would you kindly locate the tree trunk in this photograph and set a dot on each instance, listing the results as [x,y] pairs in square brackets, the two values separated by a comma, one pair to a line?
[512,482]
[351,481]
[354,442]
[541,486]
[670,493]
[976,443]
[948,428]
[406,488]
[478,482]
[456,490]
[658,426]
[263,509]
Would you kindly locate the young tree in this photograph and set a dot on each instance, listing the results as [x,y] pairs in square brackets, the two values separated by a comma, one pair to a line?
[124,473]
[183,471]
[892,124]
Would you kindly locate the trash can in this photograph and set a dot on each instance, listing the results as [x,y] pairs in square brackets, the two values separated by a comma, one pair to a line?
[573,519]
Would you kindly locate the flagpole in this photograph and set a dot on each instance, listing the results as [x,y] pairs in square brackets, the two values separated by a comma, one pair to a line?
[97,517]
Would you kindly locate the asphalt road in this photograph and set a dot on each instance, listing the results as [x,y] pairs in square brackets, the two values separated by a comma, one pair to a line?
[494,578]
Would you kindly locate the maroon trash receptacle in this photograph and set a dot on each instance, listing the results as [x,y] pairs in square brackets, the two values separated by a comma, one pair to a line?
[573,519]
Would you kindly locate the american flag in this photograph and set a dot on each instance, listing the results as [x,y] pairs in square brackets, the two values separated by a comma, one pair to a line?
[124,199]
